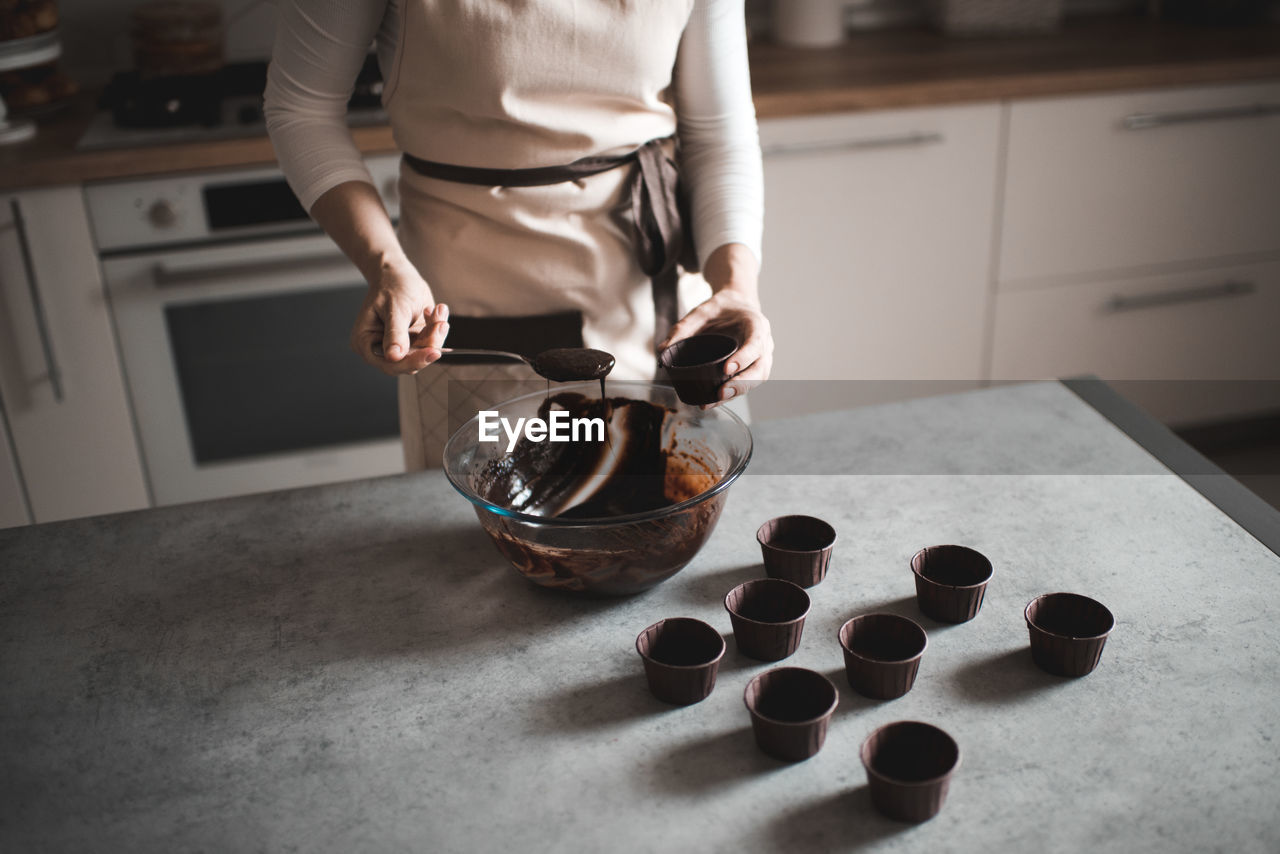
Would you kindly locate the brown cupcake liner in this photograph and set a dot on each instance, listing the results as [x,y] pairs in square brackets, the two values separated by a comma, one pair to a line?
[695,366]
[908,803]
[681,658]
[1067,632]
[951,582]
[1065,657]
[909,766]
[796,548]
[768,617]
[882,654]
[790,710]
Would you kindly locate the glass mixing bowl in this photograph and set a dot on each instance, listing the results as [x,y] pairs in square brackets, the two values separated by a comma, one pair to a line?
[611,555]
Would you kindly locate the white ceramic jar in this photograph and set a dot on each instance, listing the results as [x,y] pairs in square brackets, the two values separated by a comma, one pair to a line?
[808,23]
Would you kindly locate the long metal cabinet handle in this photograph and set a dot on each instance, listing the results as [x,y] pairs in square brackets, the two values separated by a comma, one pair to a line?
[898,141]
[37,304]
[1143,121]
[167,273]
[1207,292]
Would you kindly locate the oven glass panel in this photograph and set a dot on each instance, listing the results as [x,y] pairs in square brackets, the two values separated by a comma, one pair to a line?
[264,375]
[259,203]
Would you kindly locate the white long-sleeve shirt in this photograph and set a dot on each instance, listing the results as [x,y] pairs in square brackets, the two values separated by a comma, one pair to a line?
[321,44]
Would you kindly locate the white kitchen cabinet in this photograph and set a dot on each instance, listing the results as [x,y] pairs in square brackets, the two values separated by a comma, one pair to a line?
[60,378]
[13,498]
[1122,182]
[878,235]
[1193,346]
[1140,241]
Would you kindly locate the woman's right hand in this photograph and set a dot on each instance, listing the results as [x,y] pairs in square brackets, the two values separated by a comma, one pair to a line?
[400,328]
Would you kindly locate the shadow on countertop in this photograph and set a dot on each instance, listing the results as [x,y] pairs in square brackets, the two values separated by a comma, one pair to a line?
[600,704]
[244,604]
[837,822]
[702,766]
[1002,677]
[700,587]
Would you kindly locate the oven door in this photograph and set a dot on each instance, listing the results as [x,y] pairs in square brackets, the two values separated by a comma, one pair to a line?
[239,371]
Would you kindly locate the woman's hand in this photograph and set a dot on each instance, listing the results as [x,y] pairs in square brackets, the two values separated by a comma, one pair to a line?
[400,328]
[733,309]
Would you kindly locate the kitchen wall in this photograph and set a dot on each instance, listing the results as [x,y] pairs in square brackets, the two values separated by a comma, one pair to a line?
[95,34]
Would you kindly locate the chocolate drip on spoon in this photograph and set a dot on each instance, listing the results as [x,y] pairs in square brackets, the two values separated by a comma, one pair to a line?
[574,364]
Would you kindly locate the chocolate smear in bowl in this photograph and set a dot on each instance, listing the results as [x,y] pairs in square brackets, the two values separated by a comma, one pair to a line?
[630,472]
[622,508]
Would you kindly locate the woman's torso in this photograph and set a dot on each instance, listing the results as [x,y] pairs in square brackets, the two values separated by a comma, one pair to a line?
[513,84]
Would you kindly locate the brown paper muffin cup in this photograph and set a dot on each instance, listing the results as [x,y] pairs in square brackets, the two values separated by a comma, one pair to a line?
[681,656]
[909,766]
[767,616]
[695,366]
[796,548]
[1068,632]
[951,582]
[882,654]
[790,709]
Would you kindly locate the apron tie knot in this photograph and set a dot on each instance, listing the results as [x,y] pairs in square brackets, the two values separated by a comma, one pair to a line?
[658,210]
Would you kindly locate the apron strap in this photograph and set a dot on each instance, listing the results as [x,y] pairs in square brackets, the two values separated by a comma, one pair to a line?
[659,211]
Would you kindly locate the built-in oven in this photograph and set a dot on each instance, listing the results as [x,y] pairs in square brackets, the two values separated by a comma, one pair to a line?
[232,313]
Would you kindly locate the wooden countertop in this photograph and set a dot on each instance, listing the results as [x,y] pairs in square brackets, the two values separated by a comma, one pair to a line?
[872,71]
[916,68]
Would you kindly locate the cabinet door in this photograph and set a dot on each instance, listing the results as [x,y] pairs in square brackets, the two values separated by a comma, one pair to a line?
[1190,347]
[59,372]
[1139,179]
[13,499]
[878,234]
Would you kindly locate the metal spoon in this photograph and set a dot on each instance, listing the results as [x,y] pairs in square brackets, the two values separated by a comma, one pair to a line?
[471,351]
[561,364]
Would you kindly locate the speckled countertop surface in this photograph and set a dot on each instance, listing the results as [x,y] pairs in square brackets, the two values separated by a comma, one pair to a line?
[353,667]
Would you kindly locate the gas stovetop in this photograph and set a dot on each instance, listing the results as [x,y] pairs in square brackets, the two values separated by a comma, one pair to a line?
[224,105]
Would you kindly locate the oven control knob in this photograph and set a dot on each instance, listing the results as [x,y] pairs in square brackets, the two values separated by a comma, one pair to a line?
[162,214]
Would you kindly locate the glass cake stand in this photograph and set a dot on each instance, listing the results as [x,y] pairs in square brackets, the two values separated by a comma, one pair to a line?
[24,53]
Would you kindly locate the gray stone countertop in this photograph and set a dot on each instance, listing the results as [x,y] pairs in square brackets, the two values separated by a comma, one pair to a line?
[355,668]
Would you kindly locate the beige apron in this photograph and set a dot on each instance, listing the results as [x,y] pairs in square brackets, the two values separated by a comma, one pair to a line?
[518,84]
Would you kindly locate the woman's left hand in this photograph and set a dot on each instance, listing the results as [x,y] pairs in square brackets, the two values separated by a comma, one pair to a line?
[733,309]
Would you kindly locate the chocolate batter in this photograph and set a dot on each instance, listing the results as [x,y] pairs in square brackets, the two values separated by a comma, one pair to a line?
[574,364]
[644,465]
[627,473]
